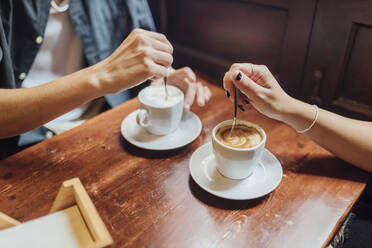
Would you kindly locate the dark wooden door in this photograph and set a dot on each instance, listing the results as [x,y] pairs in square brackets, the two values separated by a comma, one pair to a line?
[210,35]
[338,74]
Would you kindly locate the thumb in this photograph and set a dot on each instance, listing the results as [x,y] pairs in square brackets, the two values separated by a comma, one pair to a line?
[246,84]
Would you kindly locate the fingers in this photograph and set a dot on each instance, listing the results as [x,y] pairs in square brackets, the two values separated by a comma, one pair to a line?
[152,45]
[142,55]
[258,73]
[190,95]
[242,100]
[228,86]
[161,46]
[245,100]
[197,91]
[207,93]
[259,87]
[252,79]
[249,91]
[155,70]
[262,76]
[161,58]
[247,68]
[184,79]
[200,97]
[246,85]
[188,73]
[157,36]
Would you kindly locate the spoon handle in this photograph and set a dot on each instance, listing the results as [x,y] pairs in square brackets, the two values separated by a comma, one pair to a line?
[165,87]
[235,108]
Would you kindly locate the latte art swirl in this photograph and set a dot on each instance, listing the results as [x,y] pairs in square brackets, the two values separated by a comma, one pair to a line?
[241,137]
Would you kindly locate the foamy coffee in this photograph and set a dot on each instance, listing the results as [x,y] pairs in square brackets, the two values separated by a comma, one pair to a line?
[155,96]
[242,136]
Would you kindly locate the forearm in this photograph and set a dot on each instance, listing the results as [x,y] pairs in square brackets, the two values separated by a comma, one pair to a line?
[347,138]
[24,109]
[142,55]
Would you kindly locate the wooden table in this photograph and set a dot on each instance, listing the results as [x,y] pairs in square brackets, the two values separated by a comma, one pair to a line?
[148,199]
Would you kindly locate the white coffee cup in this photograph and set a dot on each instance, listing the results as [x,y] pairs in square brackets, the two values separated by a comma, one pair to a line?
[158,115]
[237,163]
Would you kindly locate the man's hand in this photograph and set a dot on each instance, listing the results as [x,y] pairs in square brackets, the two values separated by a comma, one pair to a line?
[142,55]
[185,79]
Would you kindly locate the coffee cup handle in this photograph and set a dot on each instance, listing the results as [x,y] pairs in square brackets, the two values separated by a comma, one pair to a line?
[142,118]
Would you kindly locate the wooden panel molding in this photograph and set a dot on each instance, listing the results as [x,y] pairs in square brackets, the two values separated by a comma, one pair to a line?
[210,35]
[258,31]
[356,83]
[340,48]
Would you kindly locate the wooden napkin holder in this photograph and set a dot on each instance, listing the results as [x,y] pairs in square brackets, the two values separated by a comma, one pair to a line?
[72,198]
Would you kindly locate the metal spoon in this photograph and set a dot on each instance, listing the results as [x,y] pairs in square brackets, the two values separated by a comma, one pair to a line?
[235,109]
[165,87]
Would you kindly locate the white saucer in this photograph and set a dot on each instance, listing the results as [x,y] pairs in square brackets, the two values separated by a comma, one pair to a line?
[264,179]
[188,130]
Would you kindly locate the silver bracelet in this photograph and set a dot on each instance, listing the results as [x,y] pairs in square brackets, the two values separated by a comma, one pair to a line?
[313,123]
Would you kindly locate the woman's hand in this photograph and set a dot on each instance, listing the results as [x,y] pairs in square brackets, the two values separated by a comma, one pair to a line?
[185,79]
[257,85]
[142,55]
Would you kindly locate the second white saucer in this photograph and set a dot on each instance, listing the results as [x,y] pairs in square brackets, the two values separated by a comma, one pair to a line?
[264,179]
[188,130]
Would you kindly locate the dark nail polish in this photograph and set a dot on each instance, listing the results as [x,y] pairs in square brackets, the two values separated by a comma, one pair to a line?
[246,102]
[239,76]
[241,107]
[227,94]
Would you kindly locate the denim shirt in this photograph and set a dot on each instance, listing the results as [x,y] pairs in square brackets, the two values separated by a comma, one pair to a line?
[100,25]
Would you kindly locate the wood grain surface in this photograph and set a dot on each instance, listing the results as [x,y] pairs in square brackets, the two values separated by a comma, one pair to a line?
[148,199]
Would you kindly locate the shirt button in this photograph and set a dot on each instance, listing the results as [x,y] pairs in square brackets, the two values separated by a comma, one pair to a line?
[22,76]
[39,39]
[48,134]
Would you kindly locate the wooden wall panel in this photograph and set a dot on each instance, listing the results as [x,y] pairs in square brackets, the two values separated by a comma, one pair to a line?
[208,27]
[340,53]
[210,35]
[357,82]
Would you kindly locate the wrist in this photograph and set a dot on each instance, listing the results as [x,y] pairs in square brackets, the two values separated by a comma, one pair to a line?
[288,108]
[99,78]
[299,115]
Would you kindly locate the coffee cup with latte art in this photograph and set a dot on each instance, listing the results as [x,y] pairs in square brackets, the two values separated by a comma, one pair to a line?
[238,151]
[157,114]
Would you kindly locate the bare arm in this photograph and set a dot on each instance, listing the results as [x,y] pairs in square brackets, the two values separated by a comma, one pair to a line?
[141,56]
[347,138]
[22,110]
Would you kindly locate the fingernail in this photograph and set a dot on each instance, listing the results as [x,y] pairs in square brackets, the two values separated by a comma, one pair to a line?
[227,94]
[187,106]
[241,107]
[239,76]
[246,102]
